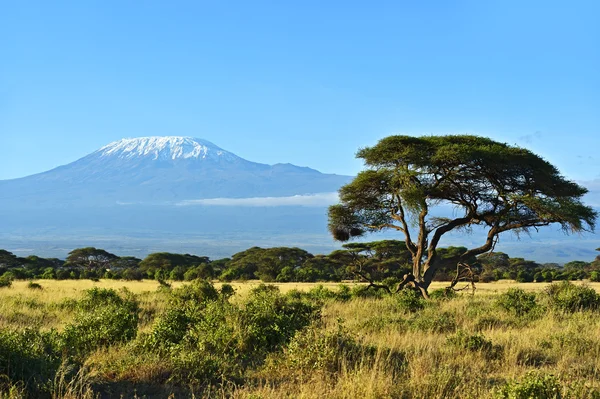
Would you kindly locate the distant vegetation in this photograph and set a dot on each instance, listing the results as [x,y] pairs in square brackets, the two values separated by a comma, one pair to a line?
[381,263]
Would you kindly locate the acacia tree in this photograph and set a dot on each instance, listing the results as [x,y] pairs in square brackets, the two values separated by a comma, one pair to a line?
[489,184]
[90,258]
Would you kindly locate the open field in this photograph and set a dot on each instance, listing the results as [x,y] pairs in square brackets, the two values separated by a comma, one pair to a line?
[311,343]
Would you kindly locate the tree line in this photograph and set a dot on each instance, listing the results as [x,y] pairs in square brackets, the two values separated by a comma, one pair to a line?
[383,262]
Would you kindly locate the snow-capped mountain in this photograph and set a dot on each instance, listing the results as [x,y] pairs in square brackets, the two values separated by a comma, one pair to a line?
[153,170]
[169,147]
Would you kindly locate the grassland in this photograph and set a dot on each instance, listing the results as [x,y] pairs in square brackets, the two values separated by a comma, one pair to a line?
[359,346]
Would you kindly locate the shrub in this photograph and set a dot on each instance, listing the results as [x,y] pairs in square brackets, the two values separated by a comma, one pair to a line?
[271,319]
[103,318]
[209,339]
[227,291]
[30,357]
[6,279]
[410,300]
[344,292]
[517,301]
[360,291]
[532,385]
[199,291]
[533,357]
[568,297]
[437,322]
[442,294]
[471,342]
[313,349]
[320,293]
[475,343]
[34,286]
[595,276]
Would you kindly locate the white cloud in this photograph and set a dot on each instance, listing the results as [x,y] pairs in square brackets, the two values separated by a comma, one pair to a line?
[314,200]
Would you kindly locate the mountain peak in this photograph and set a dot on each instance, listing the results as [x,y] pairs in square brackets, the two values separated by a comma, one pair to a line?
[164,147]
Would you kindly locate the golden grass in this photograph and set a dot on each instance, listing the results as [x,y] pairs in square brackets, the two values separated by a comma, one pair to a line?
[564,345]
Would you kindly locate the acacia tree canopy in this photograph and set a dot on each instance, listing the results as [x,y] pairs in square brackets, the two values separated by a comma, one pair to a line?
[490,184]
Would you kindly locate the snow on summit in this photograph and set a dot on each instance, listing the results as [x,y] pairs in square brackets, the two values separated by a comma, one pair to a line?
[169,147]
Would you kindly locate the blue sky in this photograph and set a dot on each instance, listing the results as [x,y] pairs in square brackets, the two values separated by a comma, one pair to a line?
[303,82]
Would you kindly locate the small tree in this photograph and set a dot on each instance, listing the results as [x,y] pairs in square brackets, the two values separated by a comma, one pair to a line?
[489,184]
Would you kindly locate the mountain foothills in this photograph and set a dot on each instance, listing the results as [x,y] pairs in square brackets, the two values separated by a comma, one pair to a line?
[155,170]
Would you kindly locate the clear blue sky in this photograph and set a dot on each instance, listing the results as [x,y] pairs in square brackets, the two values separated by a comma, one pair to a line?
[306,82]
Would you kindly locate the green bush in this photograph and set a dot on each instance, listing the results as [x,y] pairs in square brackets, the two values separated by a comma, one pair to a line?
[6,280]
[314,349]
[517,301]
[103,318]
[198,291]
[410,300]
[227,291]
[443,294]
[361,291]
[474,343]
[437,322]
[271,319]
[320,293]
[471,342]
[34,286]
[568,297]
[207,338]
[31,358]
[533,357]
[532,385]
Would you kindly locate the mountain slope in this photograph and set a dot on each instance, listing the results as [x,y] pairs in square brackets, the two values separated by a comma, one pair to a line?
[161,170]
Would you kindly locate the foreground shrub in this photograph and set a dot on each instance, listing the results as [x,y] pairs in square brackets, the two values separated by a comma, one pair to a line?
[104,317]
[315,350]
[6,280]
[209,340]
[474,343]
[532,385]
[568,297]
[434,321]
[517,301]
[30,358]
[410,300]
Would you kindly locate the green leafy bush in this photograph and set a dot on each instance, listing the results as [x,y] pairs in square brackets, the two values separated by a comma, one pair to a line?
[517,301]
[532,385]
[6,280]
[475,343]
[103,318]
[314,349]
[207,338]
[30,357]
[443,294]
[568,297]
[410,300]
[34,286]
[361,291]
[435,321]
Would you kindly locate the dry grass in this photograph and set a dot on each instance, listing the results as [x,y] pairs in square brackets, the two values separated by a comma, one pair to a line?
[564,345]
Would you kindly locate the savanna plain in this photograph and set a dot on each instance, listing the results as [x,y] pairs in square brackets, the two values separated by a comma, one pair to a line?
[145,339]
